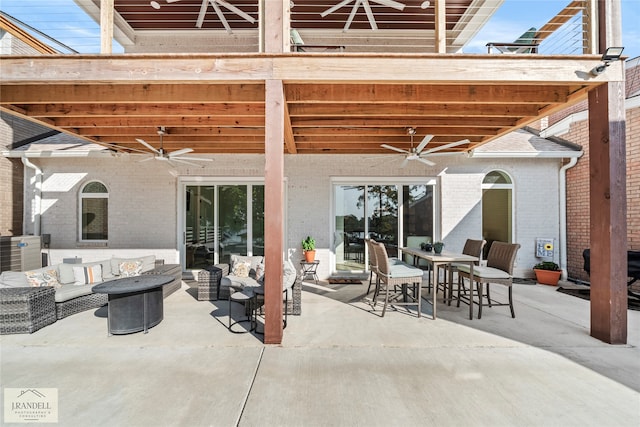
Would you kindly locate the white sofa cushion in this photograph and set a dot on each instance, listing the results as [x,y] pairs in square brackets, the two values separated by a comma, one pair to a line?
[68,292]
[87,275]
[13,279]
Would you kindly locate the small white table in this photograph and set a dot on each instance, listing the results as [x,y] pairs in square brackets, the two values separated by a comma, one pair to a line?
[444,258]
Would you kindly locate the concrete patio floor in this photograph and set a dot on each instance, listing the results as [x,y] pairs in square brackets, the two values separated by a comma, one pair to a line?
[339,365]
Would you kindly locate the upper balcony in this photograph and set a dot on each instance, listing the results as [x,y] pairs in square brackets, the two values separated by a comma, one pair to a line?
[349,26]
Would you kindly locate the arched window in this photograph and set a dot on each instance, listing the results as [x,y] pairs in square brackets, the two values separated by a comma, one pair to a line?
[497,208]
[94,212]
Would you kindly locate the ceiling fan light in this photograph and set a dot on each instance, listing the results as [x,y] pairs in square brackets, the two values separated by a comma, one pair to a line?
[425,4]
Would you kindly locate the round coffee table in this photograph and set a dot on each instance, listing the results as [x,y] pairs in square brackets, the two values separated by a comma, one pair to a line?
[135,303]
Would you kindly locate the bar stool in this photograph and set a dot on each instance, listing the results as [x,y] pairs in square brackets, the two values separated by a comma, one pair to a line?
[246,298]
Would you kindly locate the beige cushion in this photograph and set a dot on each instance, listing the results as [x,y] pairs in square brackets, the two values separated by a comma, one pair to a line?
[485,272]
[13,279]
[68,292]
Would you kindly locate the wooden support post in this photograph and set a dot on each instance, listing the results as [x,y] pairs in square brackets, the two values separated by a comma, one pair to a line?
[273,179]
[608,205]
[106,26]
[273,206]
[608,193]
[440,12]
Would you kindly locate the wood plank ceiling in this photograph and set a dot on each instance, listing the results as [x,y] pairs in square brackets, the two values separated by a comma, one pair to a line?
[335,118]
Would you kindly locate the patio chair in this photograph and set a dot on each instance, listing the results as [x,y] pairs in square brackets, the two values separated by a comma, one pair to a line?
[471,247]
[499,270]
[396,277]
[526,43]
[373,265]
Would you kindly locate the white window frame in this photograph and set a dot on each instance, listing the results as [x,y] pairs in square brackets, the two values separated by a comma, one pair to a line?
[82,195]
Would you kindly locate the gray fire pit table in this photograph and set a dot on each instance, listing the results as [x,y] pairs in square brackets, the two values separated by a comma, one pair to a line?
[135,303]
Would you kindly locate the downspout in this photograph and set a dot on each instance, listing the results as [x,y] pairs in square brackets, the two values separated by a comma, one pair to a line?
[37,208]
[563,213]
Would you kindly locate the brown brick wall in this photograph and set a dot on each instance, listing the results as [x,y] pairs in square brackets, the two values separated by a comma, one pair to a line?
[578,193]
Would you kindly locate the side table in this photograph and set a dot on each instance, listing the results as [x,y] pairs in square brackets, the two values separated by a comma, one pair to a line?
[309,269]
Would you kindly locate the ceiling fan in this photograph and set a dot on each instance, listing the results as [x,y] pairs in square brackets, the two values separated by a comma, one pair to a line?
[173,156]
[367,9]
[216,7]
[419,153]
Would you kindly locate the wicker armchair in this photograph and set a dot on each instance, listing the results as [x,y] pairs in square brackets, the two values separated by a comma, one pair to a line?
[394,277]
[499,270]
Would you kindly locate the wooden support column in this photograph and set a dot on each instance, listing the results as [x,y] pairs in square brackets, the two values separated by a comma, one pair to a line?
[106,26]
[608,196]
[273,179]
[440,13]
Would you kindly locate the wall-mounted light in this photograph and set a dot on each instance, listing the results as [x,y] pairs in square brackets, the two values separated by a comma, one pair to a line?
[610,55]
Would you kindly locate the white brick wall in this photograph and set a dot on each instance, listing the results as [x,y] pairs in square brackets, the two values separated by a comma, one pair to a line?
[143,199]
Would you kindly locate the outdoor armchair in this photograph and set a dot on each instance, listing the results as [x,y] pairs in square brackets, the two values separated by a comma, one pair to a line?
[499,270]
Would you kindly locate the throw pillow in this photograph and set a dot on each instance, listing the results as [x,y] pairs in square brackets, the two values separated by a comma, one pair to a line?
[130,268]
[87,275]
[260,273]
[241,269]
[43,277]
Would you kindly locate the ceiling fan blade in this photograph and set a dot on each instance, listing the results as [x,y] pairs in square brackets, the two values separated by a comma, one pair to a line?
[335,7]
[390,147]
[391,3]
[423,143]
[446,146]
[185,162]
[203,11]
[235,10]
[367,10]
[146,144]
[180,152]
[404,162]
[221,16]
[200,159]
[146,159]
[425,161]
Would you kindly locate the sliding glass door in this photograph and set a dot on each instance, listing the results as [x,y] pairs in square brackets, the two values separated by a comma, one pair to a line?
[221,220]
[396,214]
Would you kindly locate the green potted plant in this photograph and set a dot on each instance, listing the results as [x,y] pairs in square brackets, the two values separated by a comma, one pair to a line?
[309,249]
[547,273]
[437,247]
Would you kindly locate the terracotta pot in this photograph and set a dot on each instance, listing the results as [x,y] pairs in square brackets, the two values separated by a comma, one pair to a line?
[309,256]
[547,277]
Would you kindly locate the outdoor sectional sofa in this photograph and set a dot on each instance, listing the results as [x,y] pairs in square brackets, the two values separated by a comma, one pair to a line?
[26,307]
[215,281]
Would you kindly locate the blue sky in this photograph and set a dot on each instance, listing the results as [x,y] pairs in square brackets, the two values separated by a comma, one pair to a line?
[63,20]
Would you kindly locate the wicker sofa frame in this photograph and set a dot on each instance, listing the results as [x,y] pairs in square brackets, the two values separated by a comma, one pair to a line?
[91,301]
[25,310]
[209,288]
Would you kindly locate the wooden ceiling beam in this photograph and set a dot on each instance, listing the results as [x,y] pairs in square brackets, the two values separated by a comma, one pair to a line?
[403,110]
[169,121]
[152,131]
[403,123]
[388,131]
[425,93]
[132,110]
[133,93]
[182,140]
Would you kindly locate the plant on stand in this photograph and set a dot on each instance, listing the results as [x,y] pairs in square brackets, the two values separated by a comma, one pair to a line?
[547,273]
[309,249]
